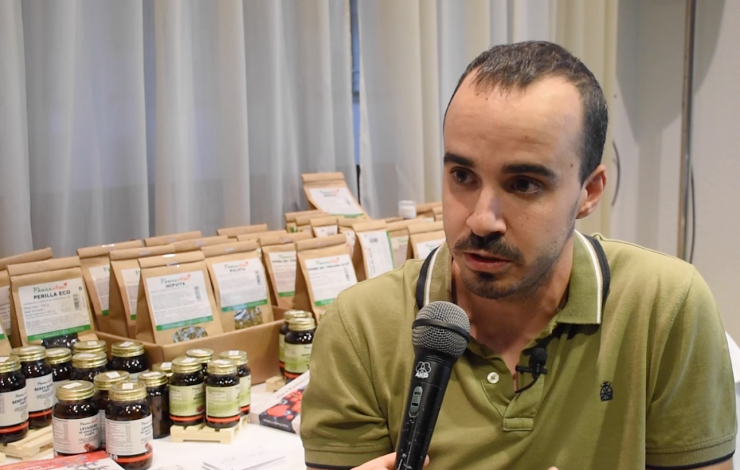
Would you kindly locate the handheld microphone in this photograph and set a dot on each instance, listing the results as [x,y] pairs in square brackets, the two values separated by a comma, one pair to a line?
[440,333]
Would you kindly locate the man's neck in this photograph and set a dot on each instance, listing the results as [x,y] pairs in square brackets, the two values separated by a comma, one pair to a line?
[508,325]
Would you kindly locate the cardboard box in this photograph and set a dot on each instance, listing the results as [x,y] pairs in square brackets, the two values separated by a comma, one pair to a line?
[260,343]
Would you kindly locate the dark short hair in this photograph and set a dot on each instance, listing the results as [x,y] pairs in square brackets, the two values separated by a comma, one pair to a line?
[516,66]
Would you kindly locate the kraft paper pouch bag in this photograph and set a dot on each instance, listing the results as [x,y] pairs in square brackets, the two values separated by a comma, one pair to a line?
[195,244]
[234,231]
[423,238]
[279,258]
[4,343]
[389,220]
[325,269]
[324,226]
[124,288]
[437,213]
[373,255]
[175,237]
[426,210]
[399,234]
[6,319]
[239,284]
[50,302]
[176,300]
[329,192]
[245,237]
[290,218]
[95,265]
[303,222]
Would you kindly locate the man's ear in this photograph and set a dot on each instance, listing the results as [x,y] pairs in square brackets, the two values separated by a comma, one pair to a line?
[593,189]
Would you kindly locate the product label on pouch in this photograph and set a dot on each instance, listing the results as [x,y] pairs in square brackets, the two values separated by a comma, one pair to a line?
[424,248]
[101,277]
[131,281]
[329,276]
[335,201]
[284,268]
[241,283]
[179,300]
[376,250]
[54,308]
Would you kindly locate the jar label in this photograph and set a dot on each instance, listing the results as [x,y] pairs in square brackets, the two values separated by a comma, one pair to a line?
[187,401]
[40,393]
[245,391]
[76,436]
[54,308]
[297,357]
[131,281]
[14,407]
[179,300]
[101,278]
[242,284]
[222,402]
[101,423]
[284,269]
[281,348]
[127,438]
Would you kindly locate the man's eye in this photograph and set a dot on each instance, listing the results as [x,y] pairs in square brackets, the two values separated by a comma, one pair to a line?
[525,186]
[461,176]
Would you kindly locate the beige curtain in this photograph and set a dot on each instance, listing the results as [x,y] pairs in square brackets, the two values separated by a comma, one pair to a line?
[412,52]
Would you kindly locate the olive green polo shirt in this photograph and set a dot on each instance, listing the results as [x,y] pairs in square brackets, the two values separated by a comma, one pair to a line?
[642,380]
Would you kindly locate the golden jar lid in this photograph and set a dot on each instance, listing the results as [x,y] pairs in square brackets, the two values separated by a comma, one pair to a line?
[89,360]
[29,353]
[58,355]
[202,354]
[107,380]
[238,357]
[222,367]
[302,324]
[75,390]
[153,378]
[89,346]
[291,314]
[165,367]
[128,391]
[127,349]
[9,364]
[185,365]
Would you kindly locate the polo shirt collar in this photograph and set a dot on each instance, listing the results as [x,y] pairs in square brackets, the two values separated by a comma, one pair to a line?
[585,288]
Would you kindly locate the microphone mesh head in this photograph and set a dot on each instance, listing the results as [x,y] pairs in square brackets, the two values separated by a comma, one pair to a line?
[438,338]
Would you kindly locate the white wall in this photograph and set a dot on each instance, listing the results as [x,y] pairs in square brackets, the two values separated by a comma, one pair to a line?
[647,129]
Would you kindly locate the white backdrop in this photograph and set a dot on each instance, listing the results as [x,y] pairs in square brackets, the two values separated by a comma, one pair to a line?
[124,119]
[412,54]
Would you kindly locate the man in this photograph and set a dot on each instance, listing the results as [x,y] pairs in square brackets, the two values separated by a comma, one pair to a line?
[638,371]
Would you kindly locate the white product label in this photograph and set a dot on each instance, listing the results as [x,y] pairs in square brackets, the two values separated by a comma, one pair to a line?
[222,402]
[54,309]
[376,251]
[242,284]
[101,277]
[101,426]
[131,281]
[126,438]
[326,231]
[76,436]
[400,246]
[179,300]
[40,393]
[5,308]
[424,248]
[297,358]
[335,201]
[284,267]
[14,407]
[329,276]
[245,391]
[351,237]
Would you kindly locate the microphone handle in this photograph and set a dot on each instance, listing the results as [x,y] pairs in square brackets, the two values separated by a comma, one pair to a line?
[428,384]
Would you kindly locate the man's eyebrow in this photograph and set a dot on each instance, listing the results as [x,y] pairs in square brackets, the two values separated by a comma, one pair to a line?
[452,159]
[530,168]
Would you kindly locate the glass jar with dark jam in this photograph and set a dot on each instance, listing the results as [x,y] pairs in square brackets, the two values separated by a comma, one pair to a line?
[85,366]
[128,427]
[298,345]
[90,347]
[203,355]
[287,316]
[187,392]
[75,423]
[165,367]
[60,360]
[222,395]
[103,383]
[40,384]
[158,396]
[13,401]
[130,357]
[245,378]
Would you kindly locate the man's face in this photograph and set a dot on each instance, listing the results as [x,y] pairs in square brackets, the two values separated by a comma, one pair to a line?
[511,183]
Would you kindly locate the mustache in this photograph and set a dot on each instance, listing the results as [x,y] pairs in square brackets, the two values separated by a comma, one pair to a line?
[493,244]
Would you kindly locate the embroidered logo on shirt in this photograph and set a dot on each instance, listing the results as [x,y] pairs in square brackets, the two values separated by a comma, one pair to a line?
[607,392]
[422,370]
